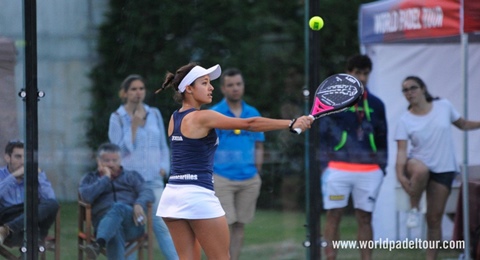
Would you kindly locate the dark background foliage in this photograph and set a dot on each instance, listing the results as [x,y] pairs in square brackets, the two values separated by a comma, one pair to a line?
[264,39]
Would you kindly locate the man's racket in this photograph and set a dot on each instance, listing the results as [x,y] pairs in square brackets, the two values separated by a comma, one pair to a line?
[335,94]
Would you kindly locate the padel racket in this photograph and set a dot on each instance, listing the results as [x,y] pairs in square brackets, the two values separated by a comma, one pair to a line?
[335,94]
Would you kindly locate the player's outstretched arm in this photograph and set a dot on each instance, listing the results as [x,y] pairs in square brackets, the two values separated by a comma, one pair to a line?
[213,119]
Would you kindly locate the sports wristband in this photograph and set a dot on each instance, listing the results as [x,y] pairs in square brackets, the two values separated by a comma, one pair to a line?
[291,125]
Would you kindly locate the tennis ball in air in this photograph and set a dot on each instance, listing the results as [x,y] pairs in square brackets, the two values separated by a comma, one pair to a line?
[316,23]
[237,131]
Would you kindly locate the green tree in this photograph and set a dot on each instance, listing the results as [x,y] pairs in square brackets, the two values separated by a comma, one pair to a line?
[149,37]
[339,36]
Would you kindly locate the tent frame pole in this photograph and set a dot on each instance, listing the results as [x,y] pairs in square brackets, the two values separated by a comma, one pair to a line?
[465,175]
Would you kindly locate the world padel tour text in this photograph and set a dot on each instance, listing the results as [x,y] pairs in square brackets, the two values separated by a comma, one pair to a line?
[390,245]
[408,19]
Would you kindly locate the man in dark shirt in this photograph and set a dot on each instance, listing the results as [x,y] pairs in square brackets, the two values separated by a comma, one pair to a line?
[118,199]
[353,157]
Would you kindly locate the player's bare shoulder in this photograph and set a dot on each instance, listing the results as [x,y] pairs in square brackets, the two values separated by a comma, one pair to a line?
[205,116]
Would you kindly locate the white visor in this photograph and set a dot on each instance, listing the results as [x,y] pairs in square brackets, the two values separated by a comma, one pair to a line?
[197,72]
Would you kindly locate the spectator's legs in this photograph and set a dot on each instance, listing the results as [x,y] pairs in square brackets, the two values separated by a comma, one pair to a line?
[116,246]
[239,200]
[365,232]
[12,218]
[245,203]
[164,239]
[16,225]
[418,174]
[437,195]
[331,231]
[116,227]
[237,233]
[47,212]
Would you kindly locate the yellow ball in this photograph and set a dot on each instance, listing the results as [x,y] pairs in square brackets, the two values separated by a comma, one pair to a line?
[237,131]
[316,23]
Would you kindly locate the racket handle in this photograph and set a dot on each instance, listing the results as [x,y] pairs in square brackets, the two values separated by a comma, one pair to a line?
[298,130]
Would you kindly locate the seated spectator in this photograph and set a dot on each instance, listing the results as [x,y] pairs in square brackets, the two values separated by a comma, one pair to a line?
[12,197]
[119,201]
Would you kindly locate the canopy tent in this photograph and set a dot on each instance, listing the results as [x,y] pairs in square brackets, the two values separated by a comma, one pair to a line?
[439,41]
[391,21]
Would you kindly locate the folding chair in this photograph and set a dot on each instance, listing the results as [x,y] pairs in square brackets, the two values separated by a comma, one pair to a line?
[51,243]
[86,233]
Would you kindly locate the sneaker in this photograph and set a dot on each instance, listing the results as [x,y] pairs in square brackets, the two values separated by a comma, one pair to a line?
[413,218]
[4,232]
[92,250]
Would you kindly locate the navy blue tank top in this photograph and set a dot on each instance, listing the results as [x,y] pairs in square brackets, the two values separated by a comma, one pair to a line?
[192,159]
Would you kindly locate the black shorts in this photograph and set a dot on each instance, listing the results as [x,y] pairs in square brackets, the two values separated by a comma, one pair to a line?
[445,178]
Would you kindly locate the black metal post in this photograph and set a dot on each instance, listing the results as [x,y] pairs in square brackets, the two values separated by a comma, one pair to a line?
[314,192]
[306,95]
[30,248]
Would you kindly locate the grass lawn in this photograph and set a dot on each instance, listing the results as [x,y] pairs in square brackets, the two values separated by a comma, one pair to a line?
[273,235]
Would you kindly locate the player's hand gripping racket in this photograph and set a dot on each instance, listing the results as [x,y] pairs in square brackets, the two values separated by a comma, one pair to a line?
[335,94]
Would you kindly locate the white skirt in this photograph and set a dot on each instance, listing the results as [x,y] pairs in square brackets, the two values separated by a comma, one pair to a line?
[189,202]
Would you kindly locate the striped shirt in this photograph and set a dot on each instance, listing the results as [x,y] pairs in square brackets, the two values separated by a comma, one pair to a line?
[149,153]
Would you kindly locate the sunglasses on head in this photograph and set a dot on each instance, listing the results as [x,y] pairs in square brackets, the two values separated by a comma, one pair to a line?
[16,141]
